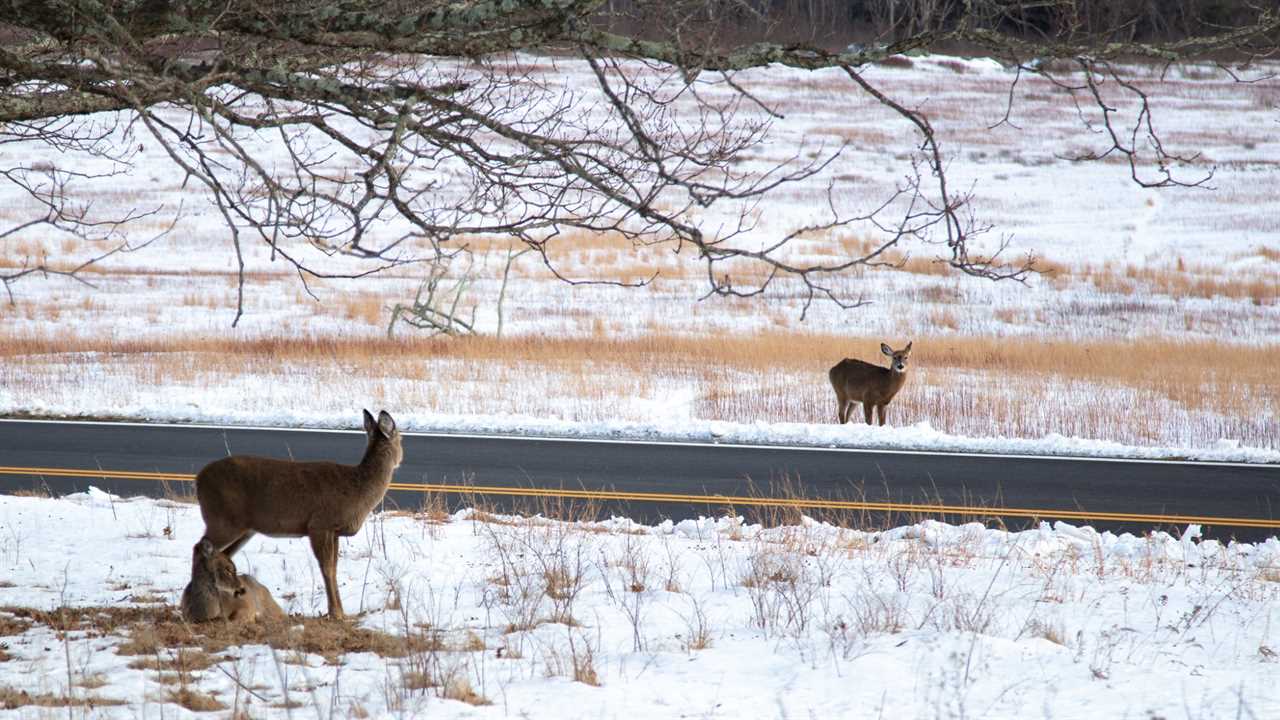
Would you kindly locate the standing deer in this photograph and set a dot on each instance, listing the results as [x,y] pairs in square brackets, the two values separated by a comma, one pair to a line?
[856,381]
[242,495]
[218,592]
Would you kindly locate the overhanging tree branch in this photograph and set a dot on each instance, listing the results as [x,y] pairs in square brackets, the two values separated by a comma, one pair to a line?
[394,132]
[47,190]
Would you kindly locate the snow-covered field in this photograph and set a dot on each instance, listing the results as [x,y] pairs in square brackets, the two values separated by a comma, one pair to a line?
[472,615]
[1136,273]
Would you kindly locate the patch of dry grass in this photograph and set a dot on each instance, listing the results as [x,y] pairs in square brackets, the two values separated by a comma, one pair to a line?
[194,700]
[182,660]
[177,654]
[365,308]
[39,491]
[1183,281]
[1270,254]
[11,625]
[610,256]
[93,682]
[181,493]
[856,133]
[614,257]
[459,688]
[96,621]
[892,257]
[417,680]
[150,632]
[13,699]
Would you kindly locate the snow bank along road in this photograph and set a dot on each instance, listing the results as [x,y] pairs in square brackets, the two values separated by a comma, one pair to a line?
[650,481]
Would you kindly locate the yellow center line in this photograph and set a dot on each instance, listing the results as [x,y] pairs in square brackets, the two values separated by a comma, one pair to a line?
[116,474]
[715,499]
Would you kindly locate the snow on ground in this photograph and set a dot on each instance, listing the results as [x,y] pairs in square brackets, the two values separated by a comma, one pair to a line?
[1104,232]
[703,618]
[706,618]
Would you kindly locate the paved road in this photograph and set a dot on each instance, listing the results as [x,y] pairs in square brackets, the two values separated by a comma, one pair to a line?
[650,481]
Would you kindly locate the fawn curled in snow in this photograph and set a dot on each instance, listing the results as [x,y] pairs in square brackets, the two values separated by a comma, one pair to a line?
[218,592]
[243,495]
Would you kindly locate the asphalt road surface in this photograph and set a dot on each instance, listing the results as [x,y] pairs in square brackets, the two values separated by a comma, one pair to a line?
[652,481]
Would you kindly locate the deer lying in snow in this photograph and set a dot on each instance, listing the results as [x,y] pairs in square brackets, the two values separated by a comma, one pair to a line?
[218,592]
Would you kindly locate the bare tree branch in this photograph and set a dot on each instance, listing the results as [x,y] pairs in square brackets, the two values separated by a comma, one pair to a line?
[47,189]
[350,138]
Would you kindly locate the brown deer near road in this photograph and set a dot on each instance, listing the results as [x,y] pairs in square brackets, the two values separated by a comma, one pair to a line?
[242,495]
[218,592]
[856,381]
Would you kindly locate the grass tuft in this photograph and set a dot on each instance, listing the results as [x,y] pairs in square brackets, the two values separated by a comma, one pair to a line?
[13,699]
[459,688]
[194,700]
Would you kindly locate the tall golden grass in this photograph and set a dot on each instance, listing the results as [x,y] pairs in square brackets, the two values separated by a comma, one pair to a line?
[613,257]
[1129,391]
[1260,287]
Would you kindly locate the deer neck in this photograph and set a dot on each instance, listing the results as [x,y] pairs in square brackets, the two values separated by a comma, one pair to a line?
[379,462]
[896,378]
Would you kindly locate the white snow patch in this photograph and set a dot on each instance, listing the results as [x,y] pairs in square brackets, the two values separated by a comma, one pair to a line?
[707,617]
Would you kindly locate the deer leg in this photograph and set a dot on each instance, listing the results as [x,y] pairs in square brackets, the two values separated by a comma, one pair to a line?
[880,413]
[235,545]
[842,409]
[223,538]
[324,543]
[336,602]
[866,411]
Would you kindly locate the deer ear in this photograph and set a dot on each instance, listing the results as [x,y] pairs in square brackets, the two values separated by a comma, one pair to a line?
[369,424]
[386,424]
[907,349]
[204,548]
[885,349]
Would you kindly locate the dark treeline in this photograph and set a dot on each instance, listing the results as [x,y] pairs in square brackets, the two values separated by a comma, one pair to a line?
[835,23]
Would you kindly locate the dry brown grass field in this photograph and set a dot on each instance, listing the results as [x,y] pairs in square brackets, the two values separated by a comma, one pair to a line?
[967,385]
[981,368]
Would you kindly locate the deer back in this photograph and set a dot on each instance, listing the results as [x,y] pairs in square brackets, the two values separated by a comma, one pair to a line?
[284,498]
